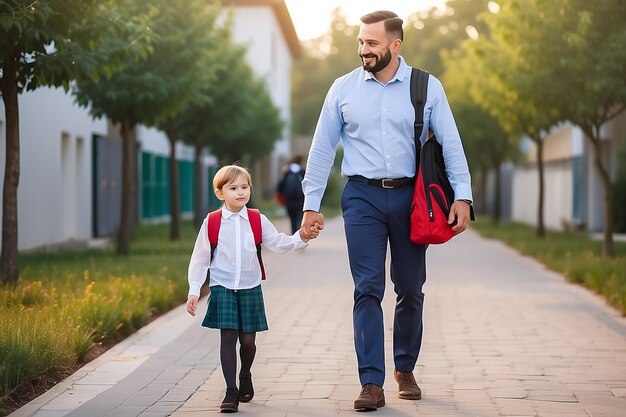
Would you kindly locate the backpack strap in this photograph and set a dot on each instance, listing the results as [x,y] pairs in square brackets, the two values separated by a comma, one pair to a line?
[419,91]
[255,223]
[213,228]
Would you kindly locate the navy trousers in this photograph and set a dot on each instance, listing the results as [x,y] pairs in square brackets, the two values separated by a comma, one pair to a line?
[375,217]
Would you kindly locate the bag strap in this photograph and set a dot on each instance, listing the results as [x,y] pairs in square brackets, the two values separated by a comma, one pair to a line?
[419,92]
[254,216]
[213,230]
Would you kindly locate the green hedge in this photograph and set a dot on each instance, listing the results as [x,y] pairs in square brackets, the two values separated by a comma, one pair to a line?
[67,302]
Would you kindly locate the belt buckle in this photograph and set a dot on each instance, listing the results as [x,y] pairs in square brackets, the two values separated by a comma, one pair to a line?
[384,182]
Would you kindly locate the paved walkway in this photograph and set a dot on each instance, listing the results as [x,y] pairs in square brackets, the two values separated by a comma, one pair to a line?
[503,337]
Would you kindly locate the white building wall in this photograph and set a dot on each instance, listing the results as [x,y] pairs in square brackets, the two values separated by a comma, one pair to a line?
[54,192]
[270,57]
[558,195]
[155,141]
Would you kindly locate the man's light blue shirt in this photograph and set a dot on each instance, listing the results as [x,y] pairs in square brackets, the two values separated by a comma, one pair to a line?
[374,123]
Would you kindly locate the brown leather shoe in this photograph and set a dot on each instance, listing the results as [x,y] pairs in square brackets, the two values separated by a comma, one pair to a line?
[371,397]
[407,387]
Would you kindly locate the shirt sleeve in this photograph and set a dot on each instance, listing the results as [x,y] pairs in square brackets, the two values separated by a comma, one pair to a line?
[444,127]
[200,261]
[277,241]
[322,153]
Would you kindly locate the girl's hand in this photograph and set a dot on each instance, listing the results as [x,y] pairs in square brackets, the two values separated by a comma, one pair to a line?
[192,304]
[313,233]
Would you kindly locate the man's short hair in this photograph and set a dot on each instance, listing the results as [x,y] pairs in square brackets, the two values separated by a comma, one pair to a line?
[393,24]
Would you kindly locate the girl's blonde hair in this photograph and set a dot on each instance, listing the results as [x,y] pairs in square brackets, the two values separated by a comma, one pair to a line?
[228,174]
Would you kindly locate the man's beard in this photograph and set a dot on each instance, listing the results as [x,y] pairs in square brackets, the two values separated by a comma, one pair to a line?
[380,64]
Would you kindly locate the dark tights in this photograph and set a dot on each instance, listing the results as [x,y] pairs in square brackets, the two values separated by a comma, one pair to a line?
[228,354]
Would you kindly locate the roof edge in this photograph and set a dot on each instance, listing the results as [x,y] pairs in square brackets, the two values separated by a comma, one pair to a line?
[284,20]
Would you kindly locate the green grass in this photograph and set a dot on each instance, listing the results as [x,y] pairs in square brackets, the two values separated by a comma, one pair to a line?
[69,301]
[574,255]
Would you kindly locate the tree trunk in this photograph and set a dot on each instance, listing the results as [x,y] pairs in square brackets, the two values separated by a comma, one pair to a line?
[197,174]
[481,204]
[608,249]
[8,259]
[541,231]
[128,189]
[174,188]
[497,209]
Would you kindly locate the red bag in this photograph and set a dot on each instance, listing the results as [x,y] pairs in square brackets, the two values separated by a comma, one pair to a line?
[433,195]
[432,198]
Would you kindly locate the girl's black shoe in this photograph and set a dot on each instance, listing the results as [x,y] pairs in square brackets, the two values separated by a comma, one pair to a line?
[246,390]
[231,401]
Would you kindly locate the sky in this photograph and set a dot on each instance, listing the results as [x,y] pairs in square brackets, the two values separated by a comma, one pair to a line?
[311,18]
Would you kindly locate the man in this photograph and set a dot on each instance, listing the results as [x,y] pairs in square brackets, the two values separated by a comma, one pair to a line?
[290,188]
[369,110]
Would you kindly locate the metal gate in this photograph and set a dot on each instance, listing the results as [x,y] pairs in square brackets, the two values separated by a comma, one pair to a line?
[107,185]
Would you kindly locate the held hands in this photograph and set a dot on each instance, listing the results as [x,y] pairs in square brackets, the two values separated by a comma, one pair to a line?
[312,223]
[192,304]
[461,211]
[311,235]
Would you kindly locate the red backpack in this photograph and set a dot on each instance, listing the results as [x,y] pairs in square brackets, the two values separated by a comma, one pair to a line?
[433,195]
[213,230]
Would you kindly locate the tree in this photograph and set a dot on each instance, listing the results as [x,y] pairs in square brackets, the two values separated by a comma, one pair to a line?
[324,59]
[588,56]
[47,43]
[254,130]
[512,87]
[196,44]
[487,144]
[236,120]
[155,88]
[202,121]
[428,33]
[569,55]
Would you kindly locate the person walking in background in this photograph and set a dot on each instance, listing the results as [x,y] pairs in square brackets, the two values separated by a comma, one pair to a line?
[370,111]
[290,190]
[236,301]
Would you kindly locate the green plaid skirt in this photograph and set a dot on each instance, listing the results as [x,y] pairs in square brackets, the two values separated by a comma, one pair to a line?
[241,310]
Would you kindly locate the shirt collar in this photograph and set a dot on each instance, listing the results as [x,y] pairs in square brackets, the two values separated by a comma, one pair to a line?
[227,213]
[399,76]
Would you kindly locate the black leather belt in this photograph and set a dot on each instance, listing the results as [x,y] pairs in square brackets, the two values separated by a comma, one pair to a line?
[384,182]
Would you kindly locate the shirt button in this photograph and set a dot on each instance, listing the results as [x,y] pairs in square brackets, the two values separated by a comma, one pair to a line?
[384,133]
[388,156]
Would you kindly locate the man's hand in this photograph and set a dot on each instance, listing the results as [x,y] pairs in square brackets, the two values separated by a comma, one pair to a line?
[461,211]
[312,223]
[192,304]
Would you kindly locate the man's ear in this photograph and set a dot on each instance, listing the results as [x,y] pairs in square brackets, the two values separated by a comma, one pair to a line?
[395,45]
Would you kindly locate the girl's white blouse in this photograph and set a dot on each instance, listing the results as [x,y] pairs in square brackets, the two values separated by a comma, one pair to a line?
[236,265]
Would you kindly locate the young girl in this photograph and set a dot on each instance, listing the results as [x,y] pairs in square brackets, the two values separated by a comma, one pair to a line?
[236,300]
